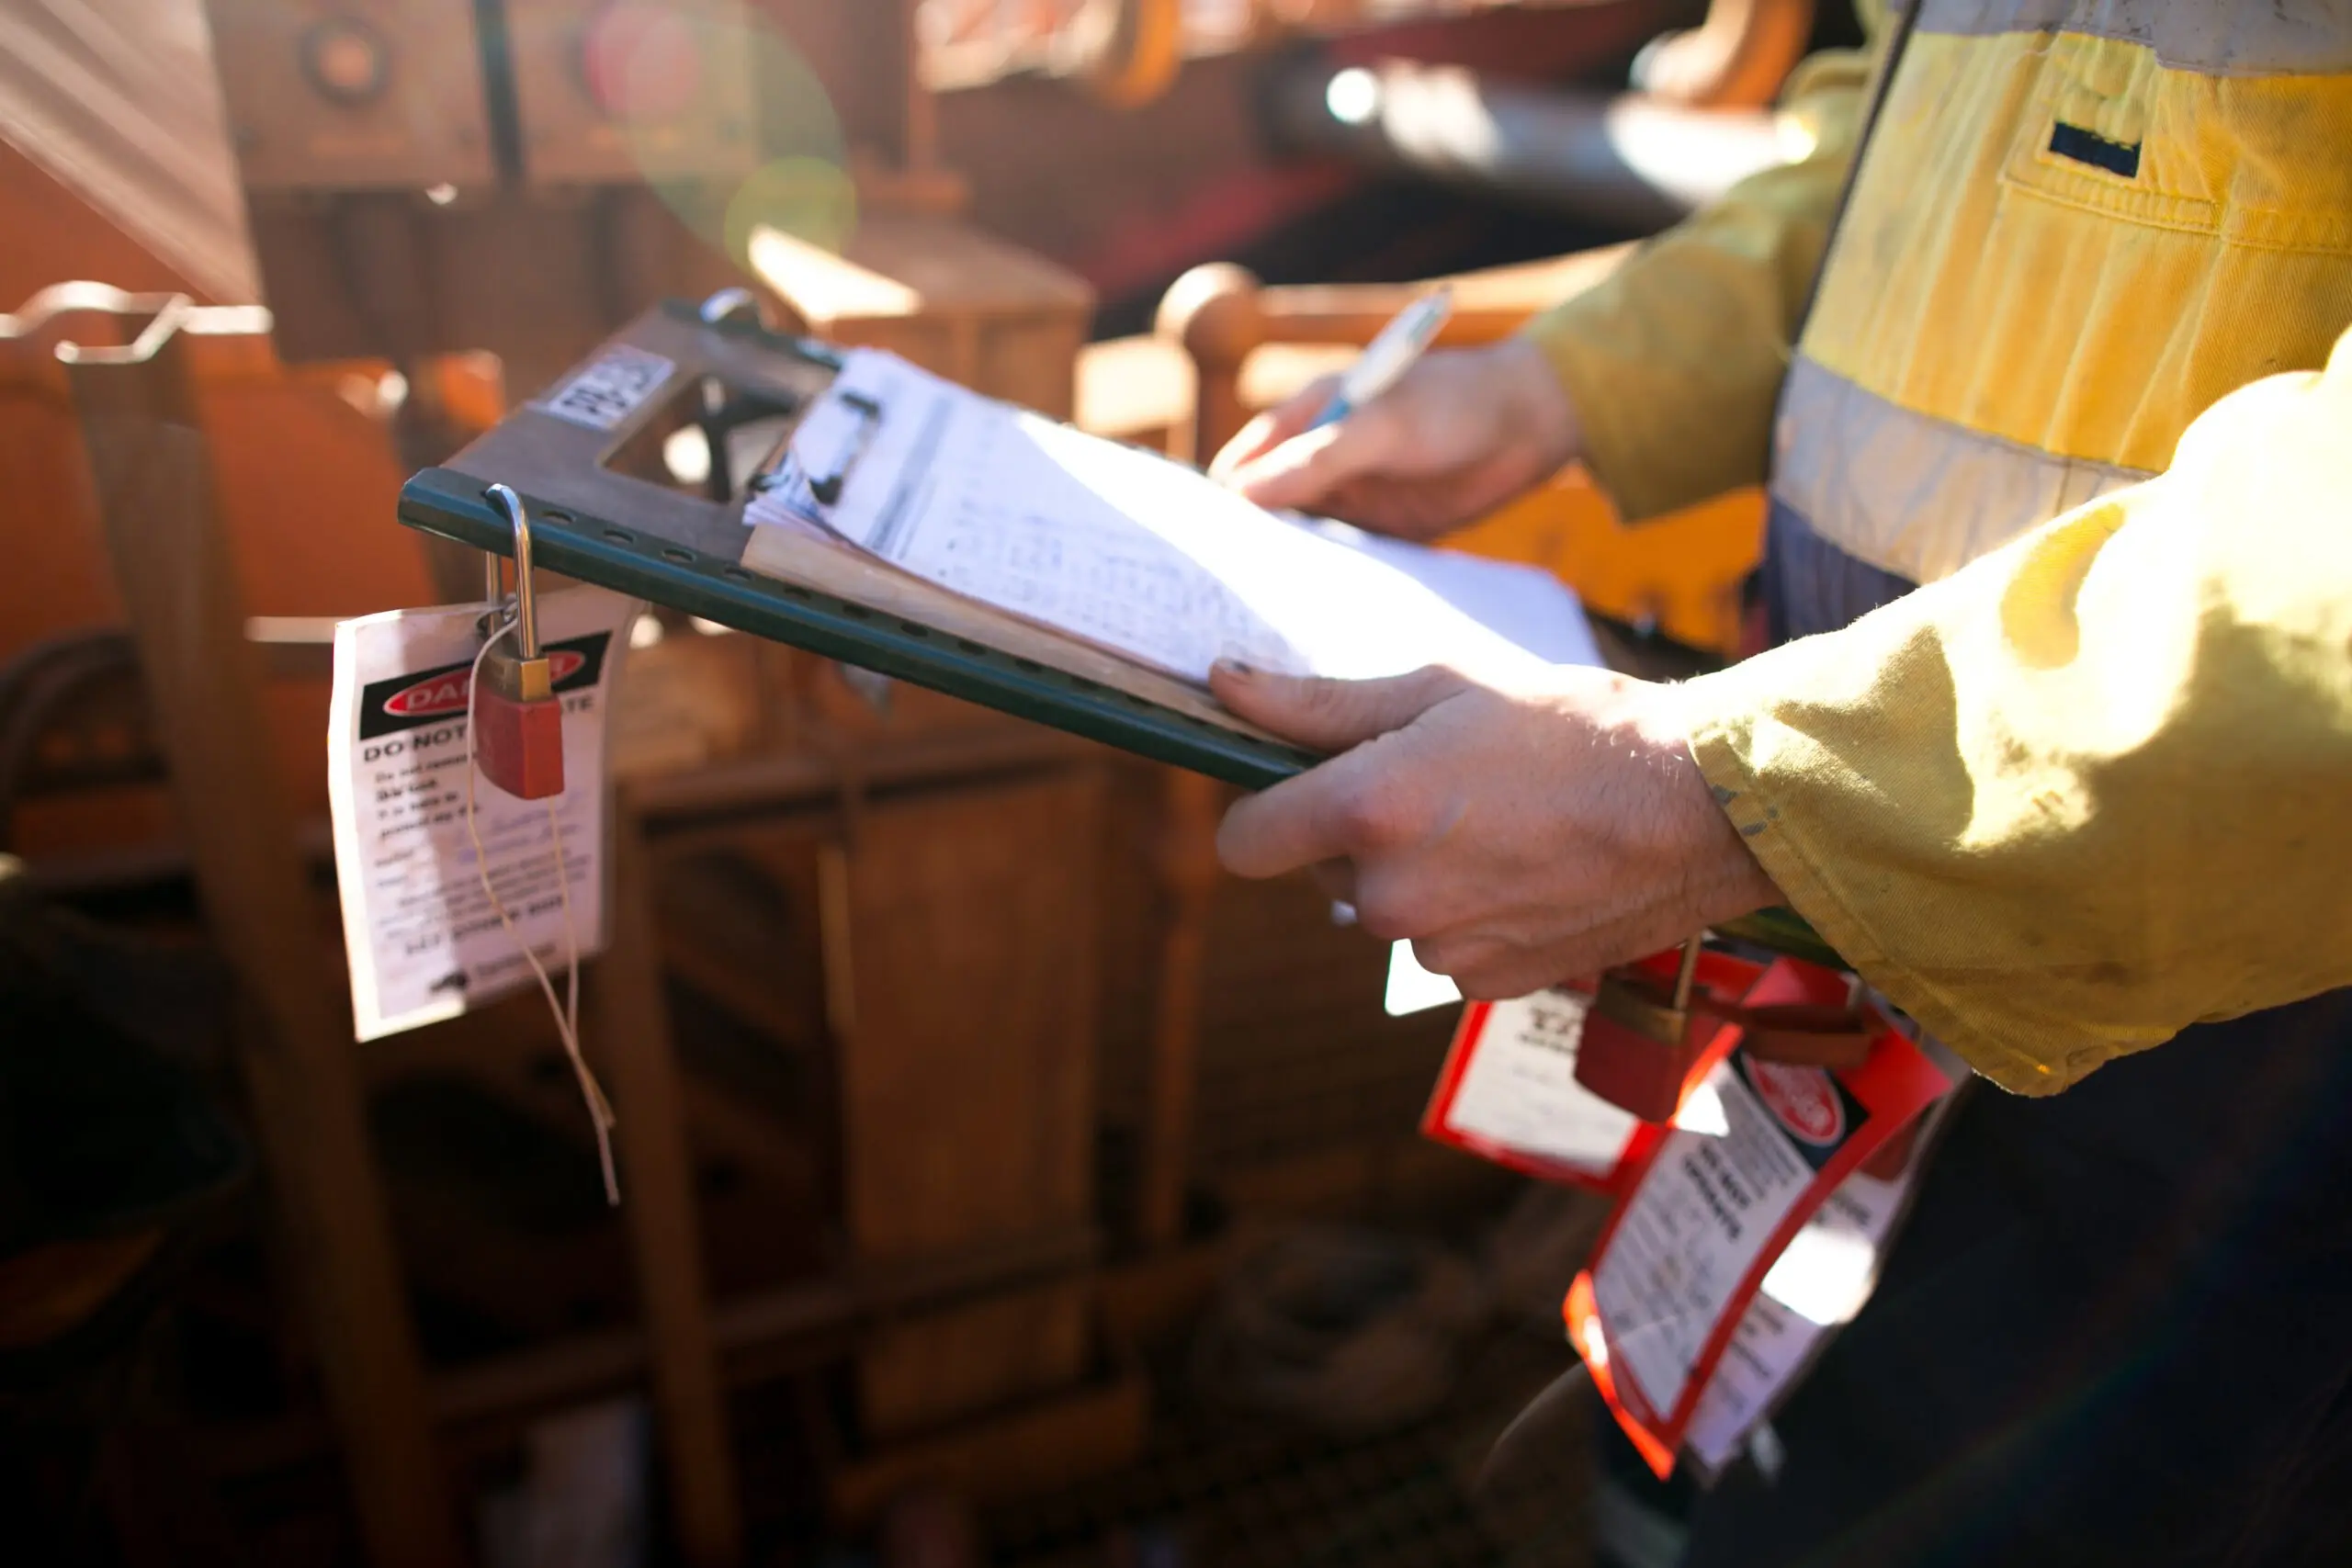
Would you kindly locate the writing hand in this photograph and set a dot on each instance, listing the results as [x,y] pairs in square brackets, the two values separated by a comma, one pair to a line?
[1461,433]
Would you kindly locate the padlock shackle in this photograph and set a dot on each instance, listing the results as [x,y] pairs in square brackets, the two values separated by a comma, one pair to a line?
[1688,973]
[526,616]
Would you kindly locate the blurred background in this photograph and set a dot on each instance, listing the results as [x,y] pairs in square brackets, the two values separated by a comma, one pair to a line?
[1004,1185]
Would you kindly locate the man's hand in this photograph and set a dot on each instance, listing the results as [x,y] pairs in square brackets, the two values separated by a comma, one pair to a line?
[1464,432]
[1517,838]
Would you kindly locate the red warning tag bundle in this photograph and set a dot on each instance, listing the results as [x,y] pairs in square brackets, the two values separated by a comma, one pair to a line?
[1750,1223]
[1711,1209]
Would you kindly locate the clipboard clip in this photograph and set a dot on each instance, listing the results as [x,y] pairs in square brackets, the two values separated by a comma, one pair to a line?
[827,489]
[781,470]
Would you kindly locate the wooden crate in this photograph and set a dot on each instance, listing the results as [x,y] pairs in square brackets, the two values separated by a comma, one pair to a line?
[938,291]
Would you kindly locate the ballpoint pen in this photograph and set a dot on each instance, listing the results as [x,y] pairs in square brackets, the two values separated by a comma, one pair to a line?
[1387,357]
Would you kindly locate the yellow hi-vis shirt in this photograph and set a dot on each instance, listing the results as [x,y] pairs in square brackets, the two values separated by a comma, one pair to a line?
[2092,782]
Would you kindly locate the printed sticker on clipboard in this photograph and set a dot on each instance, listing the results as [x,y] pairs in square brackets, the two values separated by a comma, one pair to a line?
[612,387]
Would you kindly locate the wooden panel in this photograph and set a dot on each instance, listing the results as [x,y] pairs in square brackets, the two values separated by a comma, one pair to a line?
[963,945]
[1037,1449]
[629,1031]
[919,1372]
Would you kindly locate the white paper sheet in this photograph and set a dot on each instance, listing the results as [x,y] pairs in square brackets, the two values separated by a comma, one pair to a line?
[1130,551]
[423,941]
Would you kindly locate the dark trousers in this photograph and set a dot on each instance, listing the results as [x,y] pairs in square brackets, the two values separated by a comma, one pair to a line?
[2118,1326]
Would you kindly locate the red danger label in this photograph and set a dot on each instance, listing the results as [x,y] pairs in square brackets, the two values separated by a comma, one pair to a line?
[1805,1101]
[447,694]
[423,696]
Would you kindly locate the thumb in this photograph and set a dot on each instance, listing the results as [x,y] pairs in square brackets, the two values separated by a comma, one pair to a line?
[1329,716]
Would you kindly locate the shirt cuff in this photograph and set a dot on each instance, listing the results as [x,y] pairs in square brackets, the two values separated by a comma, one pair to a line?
[1860,911]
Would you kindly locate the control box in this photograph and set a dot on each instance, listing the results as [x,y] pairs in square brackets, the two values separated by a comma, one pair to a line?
[619,91]
[342,95]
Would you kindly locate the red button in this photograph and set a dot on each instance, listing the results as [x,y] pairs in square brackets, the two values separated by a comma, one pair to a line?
[641,63]
[347,60]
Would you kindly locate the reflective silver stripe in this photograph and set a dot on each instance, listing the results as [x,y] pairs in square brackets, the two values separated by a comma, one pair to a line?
[2219,37]
[1916,496]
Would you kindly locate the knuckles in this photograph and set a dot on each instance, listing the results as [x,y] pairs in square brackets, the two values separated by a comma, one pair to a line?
[1489,969]
[1372,813]
[1388,918]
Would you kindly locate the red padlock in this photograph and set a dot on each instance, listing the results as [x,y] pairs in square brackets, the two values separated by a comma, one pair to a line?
[517,718]
[1641,1039]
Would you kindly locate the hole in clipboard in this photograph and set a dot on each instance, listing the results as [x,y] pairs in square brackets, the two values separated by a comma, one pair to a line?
[708,438]
[621,535]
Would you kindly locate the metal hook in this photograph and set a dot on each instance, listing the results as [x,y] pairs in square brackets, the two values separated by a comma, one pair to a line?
[1688,975]
[527,621]
[729,303]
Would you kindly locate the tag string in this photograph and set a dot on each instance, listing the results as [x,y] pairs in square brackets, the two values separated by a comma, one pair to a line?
[566,1011]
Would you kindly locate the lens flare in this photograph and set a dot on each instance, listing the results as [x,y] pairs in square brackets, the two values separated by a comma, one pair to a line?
[810,199]
[652,66]
[643,63]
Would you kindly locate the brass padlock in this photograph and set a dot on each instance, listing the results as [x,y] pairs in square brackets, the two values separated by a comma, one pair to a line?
[1640,1042]
[517,718]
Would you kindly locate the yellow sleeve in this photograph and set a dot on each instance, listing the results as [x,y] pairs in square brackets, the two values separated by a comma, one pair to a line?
[1674,360]
[2096,786]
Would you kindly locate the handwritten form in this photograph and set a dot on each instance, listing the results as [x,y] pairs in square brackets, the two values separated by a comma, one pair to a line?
[1136,554]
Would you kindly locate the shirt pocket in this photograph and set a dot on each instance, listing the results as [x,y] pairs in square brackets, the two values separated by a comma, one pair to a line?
[2261,162]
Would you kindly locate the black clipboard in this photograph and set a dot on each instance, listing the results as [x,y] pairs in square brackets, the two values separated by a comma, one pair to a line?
[580,457]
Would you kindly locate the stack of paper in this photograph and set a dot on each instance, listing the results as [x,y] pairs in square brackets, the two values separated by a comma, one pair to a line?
[1136,554]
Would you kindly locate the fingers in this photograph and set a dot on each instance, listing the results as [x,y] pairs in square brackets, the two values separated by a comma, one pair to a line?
[1323,814]
[1359,805]
[1488,969]
[1330,715]
[1302,471]
[1294,416]
[1301,474]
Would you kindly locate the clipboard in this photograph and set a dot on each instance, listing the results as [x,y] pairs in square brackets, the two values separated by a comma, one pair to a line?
[578,457]
[581,458]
